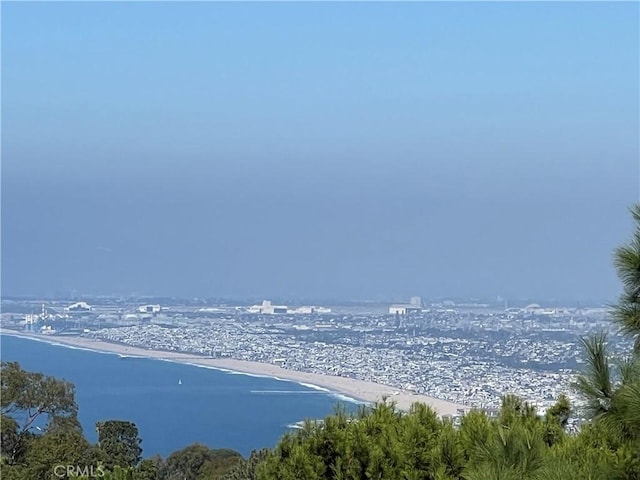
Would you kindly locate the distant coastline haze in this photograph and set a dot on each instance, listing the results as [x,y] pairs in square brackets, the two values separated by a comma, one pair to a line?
[320,150]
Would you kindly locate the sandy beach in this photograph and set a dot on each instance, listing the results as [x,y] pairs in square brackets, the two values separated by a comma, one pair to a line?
[356,389]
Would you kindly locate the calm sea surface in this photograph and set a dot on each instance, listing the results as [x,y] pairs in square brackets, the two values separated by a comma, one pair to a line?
[174,405]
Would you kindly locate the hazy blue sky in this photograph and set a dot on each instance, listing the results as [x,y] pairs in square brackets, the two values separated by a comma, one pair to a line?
[350,150]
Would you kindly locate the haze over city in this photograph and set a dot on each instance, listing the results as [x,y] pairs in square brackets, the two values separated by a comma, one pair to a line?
[318,150]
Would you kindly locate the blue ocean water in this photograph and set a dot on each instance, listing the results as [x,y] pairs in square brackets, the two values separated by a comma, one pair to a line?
[174,405]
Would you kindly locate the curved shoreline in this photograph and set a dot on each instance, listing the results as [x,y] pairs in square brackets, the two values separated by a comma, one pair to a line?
[348,389]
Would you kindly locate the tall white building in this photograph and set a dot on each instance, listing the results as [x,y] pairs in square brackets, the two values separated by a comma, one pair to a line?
[268,308]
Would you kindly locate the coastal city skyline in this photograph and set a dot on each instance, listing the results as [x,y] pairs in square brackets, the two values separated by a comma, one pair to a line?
[381,302]
[529,350]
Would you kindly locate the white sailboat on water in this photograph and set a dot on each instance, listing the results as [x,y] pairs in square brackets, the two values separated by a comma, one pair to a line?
[180,382]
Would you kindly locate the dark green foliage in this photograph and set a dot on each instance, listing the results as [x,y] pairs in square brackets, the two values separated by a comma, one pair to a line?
[120,442]
[560,412]
[595,382]
[514,409]
[13,442]
[382,443]
[612,387]
[149,468]
[614,405]
[450,457]
[378,442]
[30,396]
[198,462]
[26,399]
[475,429]
[514,450]
[626,313]
[120,473]
[247,469]
[61,447]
